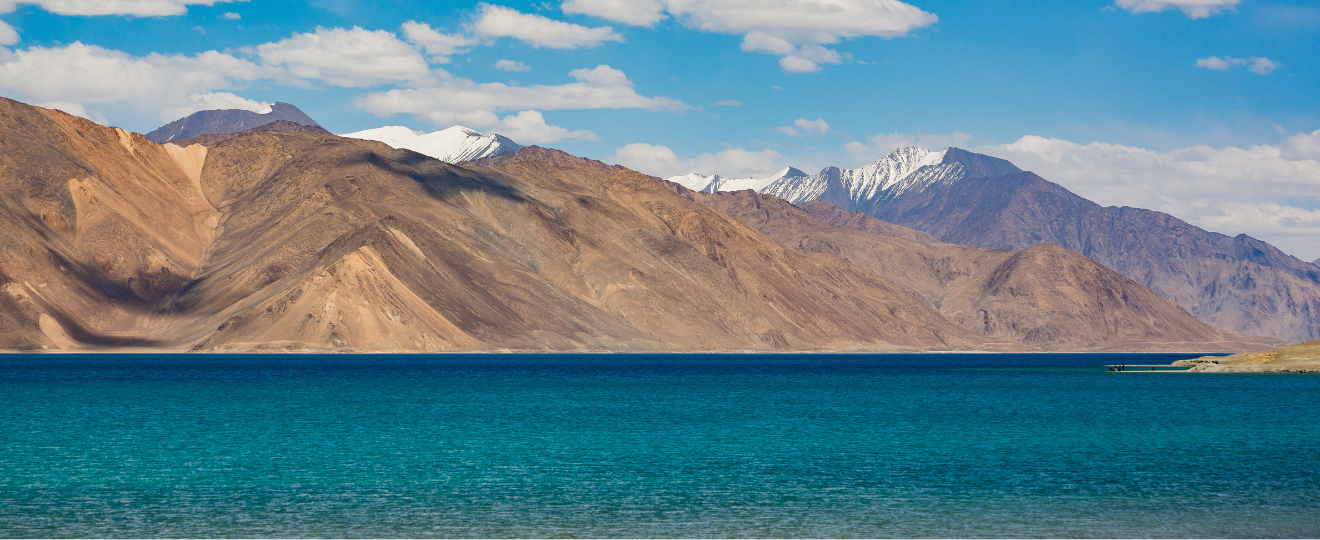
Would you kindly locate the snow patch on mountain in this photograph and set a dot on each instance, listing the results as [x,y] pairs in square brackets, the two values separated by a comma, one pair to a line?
[903,170]
[452,145]
[715,183]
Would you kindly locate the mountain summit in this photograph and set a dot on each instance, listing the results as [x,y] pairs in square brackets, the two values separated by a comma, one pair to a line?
[226,121]
[715,183]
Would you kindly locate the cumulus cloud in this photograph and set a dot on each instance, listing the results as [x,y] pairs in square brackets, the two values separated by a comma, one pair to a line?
[796,30]
[347,57]
[88,74]
[498,21]
[879,145]
[660,161]
[510,65]
[601,87]
[231,16]
[1259,64]
[1270,192]
[807,127]
[634,12]
[729,103]
[140,8]
[529,127]
[8,36]
[216,100]
[1194,9]
[439,46]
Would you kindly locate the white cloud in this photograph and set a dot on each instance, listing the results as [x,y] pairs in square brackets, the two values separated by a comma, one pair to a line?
[76,109]
[87,74]
[882,144]
[231,16]
[510,65]
[796,30]
[1259,64]
[660,161]
[1195,9]
[1262,66]
[438,45]
[729,103]
[216,100]
[529,127]
[601,87]
[1221,64]
[809,127]
[347,57]
[8,36]
[601,75]
[796,59]
[1270,192]
[140,8]
[499,21]
[634,12]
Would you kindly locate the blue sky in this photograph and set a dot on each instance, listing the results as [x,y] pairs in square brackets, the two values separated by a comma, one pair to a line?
[1205,109]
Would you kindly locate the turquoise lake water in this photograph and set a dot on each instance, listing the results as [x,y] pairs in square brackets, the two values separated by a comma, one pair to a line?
[935,445]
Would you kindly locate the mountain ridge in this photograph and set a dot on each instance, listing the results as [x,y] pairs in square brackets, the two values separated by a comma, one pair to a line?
[309,241]
[961,197]
[226,121]
[1043,296]
[454,144]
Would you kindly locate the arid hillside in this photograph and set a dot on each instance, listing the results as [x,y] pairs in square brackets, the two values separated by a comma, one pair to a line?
[1043,296]
[301,241]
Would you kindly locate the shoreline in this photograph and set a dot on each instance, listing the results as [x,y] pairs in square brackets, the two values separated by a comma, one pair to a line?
[1297,358]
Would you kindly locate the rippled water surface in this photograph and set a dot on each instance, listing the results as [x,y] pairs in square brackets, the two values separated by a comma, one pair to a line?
[651,446]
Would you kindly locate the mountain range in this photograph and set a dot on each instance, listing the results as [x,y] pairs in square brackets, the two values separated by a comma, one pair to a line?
[305,240]
[1238,283]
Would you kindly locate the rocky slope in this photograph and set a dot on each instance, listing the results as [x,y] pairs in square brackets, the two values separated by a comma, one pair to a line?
[838,217]
[221,122]
[548,156]
[1238,283]
[296,241]
[1043,296]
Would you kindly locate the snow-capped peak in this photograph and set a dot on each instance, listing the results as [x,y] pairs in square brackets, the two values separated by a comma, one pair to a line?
[696,181]
[889,171]
[454,144]
[716,183]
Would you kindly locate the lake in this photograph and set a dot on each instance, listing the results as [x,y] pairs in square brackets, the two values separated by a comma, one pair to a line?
[658,445]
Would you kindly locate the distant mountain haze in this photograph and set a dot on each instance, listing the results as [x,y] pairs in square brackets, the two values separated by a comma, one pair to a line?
[222,122]
[1238,283]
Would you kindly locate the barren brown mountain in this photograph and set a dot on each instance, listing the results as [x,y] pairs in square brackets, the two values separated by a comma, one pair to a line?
[278,126]
[549,156]
[1043,296]
[312,241]
[1236,282]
